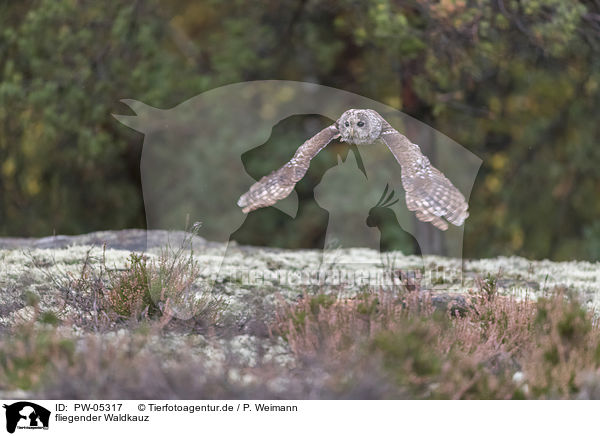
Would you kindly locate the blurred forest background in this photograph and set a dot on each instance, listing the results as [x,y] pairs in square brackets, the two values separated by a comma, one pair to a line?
[517,82]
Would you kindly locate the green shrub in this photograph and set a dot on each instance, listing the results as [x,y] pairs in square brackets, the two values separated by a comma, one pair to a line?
[130,296]
[27,357]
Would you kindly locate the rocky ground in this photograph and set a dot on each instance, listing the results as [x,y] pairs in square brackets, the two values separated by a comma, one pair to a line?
[244,273]
[249,281]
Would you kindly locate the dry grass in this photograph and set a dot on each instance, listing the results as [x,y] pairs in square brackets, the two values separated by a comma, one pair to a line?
[161,290]
[379,344]
[501,348]
[165,291]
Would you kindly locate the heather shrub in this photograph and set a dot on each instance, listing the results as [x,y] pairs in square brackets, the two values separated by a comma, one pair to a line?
[325,323]
[411,357]
[151,288]
[501,347]
[160,289]
[130,294]
[27,356]
[567,346]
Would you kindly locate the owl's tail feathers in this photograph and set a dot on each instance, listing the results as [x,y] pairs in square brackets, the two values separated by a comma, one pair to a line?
[266,192]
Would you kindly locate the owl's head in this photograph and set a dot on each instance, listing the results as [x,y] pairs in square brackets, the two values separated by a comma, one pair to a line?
[359,126]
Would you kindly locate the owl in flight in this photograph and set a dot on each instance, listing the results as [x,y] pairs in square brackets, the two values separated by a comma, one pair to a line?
[429,193]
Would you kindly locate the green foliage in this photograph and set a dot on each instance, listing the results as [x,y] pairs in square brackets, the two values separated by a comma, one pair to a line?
[568,345]
[517,83]
[321,301]
[27,357]
[65,163]
[130,296]
[410,353]
[30,298]
[50,318]
[162,288]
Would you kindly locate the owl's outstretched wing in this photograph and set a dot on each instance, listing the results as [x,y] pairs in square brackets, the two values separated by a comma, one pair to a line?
[429,193]
[280,183]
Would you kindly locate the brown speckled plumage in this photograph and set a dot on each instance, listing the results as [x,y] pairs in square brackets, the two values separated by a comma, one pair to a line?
[429,193]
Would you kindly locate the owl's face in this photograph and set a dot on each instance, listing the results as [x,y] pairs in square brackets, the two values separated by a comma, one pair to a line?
[359,126]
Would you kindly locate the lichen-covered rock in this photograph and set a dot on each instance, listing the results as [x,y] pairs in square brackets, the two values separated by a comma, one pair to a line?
[40,284]
[250,279]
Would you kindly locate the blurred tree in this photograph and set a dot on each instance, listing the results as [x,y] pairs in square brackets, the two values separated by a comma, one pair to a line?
[516,82]
[65,164]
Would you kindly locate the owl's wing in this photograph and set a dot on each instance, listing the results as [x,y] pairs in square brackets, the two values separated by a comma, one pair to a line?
[280,183]
[429,193]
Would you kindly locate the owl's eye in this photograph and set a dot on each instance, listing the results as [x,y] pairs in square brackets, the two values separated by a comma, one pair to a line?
[347,124]
[360,124]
